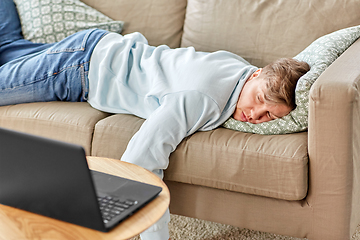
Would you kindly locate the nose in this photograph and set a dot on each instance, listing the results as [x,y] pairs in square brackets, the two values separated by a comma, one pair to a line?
[257,114]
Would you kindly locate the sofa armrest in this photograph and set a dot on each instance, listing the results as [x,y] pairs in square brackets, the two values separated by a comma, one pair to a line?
[334,147]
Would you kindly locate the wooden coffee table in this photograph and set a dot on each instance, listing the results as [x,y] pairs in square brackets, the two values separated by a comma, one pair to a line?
[16,224]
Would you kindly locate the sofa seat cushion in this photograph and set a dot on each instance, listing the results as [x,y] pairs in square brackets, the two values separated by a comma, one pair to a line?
[267,165]
[65,121]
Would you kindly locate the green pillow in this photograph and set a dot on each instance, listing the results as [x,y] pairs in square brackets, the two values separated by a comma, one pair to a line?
[48,21]
[319,55]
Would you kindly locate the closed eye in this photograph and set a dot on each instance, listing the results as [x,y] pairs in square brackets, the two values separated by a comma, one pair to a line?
[269,115]
[273,116]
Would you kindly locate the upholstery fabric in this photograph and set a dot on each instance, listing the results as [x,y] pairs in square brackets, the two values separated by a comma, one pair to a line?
[65,121]
[160,21]
[263,31]
[272,166]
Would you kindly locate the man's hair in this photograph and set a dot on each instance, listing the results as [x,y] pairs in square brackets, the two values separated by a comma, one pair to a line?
[282,76]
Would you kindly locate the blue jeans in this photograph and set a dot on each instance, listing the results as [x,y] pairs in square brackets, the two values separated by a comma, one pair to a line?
[31,72]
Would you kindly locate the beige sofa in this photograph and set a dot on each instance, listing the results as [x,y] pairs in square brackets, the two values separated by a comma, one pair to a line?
[302,185]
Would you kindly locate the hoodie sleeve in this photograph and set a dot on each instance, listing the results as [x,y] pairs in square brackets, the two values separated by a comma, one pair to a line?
[179,115]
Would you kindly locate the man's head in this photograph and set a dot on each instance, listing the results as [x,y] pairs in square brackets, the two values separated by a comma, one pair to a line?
[269,93]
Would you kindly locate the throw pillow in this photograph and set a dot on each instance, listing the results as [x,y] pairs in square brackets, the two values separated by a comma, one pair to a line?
[319,55]
[48,21]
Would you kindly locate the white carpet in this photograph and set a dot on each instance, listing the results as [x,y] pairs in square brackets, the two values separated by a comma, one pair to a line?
[184,228]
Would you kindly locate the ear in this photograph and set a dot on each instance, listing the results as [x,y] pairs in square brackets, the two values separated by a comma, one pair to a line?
[255,74]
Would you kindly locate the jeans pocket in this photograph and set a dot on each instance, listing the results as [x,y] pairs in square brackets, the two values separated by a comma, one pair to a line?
[73,43]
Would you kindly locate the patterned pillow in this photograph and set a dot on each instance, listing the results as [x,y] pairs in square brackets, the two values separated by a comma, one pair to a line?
[319,55]
[48,21]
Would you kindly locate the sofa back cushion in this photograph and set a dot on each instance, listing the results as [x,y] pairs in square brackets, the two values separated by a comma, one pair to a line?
[263,31]
[160,21]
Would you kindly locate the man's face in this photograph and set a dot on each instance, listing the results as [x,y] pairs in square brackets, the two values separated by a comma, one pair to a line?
[252,106]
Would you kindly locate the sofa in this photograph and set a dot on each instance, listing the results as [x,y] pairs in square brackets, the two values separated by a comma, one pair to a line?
[304,184]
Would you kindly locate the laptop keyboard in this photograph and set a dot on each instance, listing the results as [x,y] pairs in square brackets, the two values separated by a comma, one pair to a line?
[112,207]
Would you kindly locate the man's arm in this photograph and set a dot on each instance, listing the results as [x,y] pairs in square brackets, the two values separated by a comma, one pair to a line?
[179,115]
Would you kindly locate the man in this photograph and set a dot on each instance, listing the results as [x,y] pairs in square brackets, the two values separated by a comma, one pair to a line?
[178,91]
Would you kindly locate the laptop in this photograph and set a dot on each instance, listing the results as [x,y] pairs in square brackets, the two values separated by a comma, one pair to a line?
[52,178]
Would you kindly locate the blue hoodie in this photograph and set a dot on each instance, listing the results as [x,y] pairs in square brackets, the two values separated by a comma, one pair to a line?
[178,92]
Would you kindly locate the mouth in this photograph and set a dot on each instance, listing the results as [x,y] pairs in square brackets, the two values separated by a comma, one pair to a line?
[243,117]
